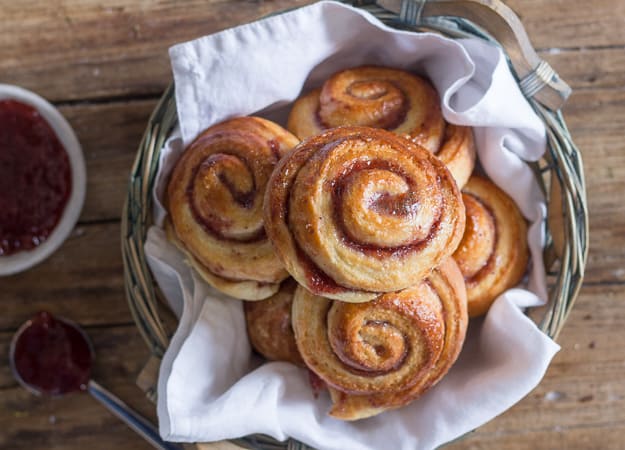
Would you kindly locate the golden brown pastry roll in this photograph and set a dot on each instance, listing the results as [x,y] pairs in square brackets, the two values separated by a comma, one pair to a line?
[215,197]
[358,211]
[383,354]
[377,97]
[493,252]
[458,152]
[269,325]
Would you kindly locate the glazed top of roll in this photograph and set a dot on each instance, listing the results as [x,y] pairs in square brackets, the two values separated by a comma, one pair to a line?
[215,197]
[357,211]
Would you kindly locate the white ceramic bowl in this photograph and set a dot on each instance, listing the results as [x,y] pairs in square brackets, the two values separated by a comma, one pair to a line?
[17,262]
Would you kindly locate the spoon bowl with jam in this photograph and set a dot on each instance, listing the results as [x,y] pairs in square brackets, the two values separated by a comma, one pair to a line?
[53,356]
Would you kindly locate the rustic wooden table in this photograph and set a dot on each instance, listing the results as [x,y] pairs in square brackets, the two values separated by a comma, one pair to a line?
[105,64]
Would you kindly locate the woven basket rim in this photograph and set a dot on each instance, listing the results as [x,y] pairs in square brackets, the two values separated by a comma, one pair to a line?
[560,174]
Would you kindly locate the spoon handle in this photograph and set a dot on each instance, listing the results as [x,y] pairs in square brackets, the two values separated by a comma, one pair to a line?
[135,421]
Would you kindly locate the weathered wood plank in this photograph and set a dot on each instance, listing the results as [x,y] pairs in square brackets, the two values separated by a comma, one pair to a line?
[71,49]
[110,134]
[595,119]
[73,422]
[83,280]
[605,436]
[601,68]
[572,24]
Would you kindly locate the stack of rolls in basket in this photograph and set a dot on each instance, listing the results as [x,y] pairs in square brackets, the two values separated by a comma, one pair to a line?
[362,250]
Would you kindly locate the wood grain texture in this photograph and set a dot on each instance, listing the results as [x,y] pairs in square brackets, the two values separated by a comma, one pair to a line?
[73,422]
[572,24]
[83,281]
[106,64]
[92,49]
[589,68]
[109,134]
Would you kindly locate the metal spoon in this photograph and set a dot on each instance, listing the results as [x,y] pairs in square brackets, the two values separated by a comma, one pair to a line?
[59,338]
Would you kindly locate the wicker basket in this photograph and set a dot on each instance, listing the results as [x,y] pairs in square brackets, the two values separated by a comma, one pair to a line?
[559,173]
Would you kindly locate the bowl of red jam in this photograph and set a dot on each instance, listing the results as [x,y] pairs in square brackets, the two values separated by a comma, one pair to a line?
[42,179]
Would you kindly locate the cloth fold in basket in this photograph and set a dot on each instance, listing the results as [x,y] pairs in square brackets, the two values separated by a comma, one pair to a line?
[210,385]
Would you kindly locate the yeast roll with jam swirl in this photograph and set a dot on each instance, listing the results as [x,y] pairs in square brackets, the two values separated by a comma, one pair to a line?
[269,325]
[493,253]
[378,97]
[391,99]
[357,211]
[215,198]
[383,354]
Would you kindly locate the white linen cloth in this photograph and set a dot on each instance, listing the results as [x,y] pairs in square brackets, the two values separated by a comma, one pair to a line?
[210,386]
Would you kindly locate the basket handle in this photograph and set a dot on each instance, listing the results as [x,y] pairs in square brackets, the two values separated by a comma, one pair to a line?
[537,78]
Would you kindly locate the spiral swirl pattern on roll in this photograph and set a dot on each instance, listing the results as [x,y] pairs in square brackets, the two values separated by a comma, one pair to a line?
[493,253]
[215,198]
[384,353]
[357,211]
[377,97]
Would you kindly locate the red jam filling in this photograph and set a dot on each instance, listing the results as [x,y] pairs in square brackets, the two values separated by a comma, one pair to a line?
[52,356]
[35,178]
